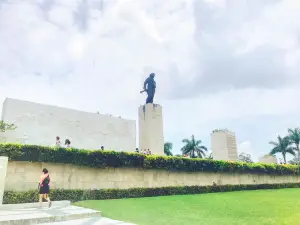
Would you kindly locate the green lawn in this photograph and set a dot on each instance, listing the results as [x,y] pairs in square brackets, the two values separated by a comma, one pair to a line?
[261,207]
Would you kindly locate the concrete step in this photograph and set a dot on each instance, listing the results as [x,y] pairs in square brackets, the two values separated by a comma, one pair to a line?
[34,205]
[90,221]
[26,215]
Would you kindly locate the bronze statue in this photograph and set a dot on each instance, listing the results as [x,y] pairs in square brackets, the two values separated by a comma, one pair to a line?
[149,87]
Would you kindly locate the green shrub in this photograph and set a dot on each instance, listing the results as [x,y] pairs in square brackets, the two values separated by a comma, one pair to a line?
[103,159]
[12,197]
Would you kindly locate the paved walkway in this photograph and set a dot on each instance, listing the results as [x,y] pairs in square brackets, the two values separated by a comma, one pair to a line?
[46,214]
[69,214]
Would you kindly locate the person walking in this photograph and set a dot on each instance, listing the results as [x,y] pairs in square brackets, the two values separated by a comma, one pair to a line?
[44,187]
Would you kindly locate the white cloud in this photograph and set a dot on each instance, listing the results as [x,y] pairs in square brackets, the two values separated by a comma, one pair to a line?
[276,25]
[247,148]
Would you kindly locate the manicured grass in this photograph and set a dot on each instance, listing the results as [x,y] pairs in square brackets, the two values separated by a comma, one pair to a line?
[263,207]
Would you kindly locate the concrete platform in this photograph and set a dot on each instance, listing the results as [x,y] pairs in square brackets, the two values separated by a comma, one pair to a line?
[32,214]
[90,221]
[34,205]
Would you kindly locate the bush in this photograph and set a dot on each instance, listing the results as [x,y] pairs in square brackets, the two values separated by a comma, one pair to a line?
[103,159]
[12,197]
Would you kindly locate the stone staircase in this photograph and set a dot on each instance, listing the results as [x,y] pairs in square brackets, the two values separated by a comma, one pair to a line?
[61,212]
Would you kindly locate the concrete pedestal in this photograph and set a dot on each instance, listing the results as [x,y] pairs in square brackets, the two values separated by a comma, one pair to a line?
[3,169]
[151,129]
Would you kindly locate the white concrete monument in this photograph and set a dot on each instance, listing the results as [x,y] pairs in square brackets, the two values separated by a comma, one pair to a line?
[268,159]
[151,128]
[39,124]
[3,170]
[223,144]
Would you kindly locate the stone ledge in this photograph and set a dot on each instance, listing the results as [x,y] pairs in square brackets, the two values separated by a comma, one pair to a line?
[91,221]
[33,216]
[34,205]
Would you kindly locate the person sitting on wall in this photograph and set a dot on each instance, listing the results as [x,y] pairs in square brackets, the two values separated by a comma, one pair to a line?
[57,141]
[137,150]
[67,143]
[102,148]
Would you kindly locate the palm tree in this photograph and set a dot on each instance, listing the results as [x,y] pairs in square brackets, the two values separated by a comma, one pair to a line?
[294,136]
[168,148]
[283,146]
[193,148]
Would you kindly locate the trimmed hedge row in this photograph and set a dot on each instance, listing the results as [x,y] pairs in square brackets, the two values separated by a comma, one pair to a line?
[11,197]
[103,159]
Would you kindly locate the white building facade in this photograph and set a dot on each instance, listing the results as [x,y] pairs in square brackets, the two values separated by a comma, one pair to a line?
[39,124]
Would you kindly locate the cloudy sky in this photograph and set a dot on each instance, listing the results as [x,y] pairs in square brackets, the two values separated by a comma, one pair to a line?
[219,63]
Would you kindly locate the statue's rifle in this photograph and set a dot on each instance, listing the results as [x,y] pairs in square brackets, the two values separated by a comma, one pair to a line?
[143,91]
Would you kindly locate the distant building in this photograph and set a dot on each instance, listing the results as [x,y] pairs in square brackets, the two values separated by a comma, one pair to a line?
[268,159]
[223,144]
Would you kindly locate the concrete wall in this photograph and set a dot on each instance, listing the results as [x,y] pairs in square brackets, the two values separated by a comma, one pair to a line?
[151,128]
[39,124]
[23,176]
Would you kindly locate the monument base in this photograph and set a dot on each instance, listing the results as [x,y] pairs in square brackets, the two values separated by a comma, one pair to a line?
[151,128]
[31,213]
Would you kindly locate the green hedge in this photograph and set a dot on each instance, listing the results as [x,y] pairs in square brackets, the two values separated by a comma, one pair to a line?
[102,159]
[11,197]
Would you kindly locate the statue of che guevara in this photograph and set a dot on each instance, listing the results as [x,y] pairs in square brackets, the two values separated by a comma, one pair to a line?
[149,87]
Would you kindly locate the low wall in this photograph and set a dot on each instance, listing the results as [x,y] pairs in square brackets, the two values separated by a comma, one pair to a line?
[23,176]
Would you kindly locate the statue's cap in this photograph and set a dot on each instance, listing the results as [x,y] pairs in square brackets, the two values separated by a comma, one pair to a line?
[152,74]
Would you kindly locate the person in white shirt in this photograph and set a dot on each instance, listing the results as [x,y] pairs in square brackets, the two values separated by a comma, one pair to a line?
[57,141]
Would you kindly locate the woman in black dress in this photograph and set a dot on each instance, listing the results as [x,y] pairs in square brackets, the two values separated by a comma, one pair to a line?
[44,187]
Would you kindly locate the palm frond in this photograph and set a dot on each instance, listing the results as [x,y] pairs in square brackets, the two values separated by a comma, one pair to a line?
[186,141]
[274,151]
[273,143]
[294,136]
[193,142]
[198,142]
[203,147]
[291,151]
[201,153]
[291,131]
